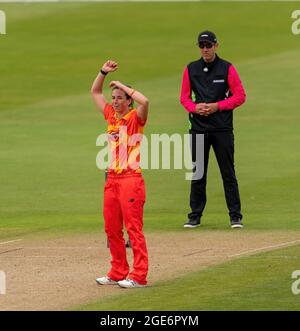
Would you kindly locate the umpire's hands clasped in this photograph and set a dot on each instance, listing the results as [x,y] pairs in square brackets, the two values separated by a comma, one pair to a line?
[205,109]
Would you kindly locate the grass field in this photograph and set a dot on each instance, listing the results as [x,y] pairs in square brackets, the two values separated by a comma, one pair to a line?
[49,183]
[260,282]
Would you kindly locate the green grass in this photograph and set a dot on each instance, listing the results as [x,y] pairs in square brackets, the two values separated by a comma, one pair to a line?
[259,282]
[49,124]
[49,184]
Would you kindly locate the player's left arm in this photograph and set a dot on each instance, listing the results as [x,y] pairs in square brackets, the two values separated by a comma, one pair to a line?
[138,97]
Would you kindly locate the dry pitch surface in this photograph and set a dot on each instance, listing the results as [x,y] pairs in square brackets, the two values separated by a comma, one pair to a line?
[56,274]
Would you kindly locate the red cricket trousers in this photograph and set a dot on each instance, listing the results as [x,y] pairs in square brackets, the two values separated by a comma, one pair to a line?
[124,198]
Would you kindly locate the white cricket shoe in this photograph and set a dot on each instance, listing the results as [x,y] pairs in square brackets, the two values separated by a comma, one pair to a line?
[106,281]
[129,283]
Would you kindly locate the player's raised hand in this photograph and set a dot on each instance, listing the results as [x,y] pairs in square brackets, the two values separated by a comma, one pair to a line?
[110,66]
[115,83]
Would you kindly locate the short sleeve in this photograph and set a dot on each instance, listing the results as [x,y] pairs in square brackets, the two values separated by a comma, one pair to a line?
[108,110]
[141,122]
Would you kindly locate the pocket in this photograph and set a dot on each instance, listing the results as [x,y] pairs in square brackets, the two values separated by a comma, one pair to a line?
[140,189]
[107,185]
[219,84]
[221,78]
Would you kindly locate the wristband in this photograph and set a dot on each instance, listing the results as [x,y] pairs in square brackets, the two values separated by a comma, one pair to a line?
[103,72]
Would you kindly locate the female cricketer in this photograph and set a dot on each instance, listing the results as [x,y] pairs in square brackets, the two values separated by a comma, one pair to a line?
[124,191]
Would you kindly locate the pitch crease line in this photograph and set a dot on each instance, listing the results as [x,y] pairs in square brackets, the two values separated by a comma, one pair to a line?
[9,242]
[264,248]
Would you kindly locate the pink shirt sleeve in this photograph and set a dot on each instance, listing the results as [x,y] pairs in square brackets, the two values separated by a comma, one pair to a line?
[237,90]
[185,94]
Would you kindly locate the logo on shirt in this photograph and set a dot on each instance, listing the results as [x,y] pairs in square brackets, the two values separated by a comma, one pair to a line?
[113,136]
[218,80]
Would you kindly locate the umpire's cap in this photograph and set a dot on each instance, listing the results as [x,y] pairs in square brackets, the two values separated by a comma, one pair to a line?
[207,36]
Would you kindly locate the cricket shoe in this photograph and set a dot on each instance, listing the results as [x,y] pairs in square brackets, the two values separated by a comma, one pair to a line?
[129,283]
[106,281]
[236,223]
[192,223]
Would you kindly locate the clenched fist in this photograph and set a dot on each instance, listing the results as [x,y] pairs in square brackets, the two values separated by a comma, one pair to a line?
[110,66]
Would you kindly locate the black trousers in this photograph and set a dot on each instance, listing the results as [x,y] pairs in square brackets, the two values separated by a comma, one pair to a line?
[223,146]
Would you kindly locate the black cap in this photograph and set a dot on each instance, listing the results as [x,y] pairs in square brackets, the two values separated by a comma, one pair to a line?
[207,36]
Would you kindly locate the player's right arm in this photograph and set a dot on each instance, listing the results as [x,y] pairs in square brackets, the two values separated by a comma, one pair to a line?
[97,87]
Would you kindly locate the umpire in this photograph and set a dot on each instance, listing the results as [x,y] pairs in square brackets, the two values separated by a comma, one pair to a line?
[211,89]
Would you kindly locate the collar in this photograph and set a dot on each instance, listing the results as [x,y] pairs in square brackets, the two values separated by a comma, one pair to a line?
[209,65]
[125,117]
